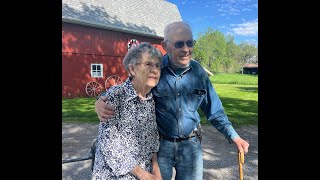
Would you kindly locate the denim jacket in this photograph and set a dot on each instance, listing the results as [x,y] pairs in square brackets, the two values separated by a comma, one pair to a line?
[178,98]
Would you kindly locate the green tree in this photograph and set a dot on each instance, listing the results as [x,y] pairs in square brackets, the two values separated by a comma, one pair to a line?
[248,54]
[232,53]
[210,50]
[218,53]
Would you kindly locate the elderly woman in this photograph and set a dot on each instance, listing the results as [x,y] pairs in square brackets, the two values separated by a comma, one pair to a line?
[127,144]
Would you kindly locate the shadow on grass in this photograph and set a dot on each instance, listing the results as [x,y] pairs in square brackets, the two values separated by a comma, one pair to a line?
[239,111]
[79,110]
[249,89]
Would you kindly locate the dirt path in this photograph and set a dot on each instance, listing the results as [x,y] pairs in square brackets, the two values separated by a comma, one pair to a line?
[220,157]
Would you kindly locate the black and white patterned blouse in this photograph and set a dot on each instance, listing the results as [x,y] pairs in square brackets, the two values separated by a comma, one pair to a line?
[128,139]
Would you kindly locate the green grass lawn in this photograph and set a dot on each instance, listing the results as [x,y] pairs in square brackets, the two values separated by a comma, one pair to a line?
[238,93]
[234,78]
[240,103]
[79,110]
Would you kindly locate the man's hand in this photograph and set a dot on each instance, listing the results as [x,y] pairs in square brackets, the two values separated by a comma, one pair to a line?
[241,144]
[103,110]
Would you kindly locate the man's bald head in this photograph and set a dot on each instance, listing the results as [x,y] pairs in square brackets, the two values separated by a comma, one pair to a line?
[176,28]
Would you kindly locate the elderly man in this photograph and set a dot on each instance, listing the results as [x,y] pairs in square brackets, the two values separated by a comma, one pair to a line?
[183,88]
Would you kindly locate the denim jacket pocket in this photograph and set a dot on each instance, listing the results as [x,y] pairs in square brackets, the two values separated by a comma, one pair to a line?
[161,100]
[195,98]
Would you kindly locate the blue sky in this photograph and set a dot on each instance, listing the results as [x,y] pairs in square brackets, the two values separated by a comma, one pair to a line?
[236,17]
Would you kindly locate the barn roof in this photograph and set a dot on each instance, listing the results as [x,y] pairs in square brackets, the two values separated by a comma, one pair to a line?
[146,17]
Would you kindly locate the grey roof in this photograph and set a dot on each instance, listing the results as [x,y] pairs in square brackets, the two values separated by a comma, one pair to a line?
[147,17]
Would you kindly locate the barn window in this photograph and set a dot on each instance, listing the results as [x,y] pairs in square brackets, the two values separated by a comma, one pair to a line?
[96,70]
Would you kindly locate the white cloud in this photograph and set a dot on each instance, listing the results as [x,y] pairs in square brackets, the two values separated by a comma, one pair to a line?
[229,1]
[246,29]
[229,33]
[252,42]
[235,7]
[233,11]
[246,9]
[200,19]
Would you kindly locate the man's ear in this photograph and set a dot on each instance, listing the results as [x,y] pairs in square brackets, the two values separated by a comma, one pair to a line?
[131,69]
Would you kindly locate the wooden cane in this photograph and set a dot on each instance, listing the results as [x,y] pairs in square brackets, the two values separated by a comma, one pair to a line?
[241,162]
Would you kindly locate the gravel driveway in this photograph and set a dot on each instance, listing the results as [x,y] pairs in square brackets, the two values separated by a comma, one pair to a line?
[220,157]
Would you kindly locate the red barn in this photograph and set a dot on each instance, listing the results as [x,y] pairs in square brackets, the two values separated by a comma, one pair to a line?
[96,36]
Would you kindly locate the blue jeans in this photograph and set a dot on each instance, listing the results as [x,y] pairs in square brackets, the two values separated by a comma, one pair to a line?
[184,156]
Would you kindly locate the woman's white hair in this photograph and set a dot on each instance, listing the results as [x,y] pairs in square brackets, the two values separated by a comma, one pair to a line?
[134,54]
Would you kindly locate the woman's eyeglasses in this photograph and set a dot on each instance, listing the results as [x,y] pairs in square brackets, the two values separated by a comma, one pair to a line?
[180,44]
[150,65]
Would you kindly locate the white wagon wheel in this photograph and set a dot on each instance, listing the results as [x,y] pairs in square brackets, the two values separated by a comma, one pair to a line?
[112,80]
[93,89]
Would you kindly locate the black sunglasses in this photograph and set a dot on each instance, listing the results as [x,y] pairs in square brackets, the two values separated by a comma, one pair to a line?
[180,44]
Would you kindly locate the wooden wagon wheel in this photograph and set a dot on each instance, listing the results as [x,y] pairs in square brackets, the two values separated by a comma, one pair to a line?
[93,89]
[112,80]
